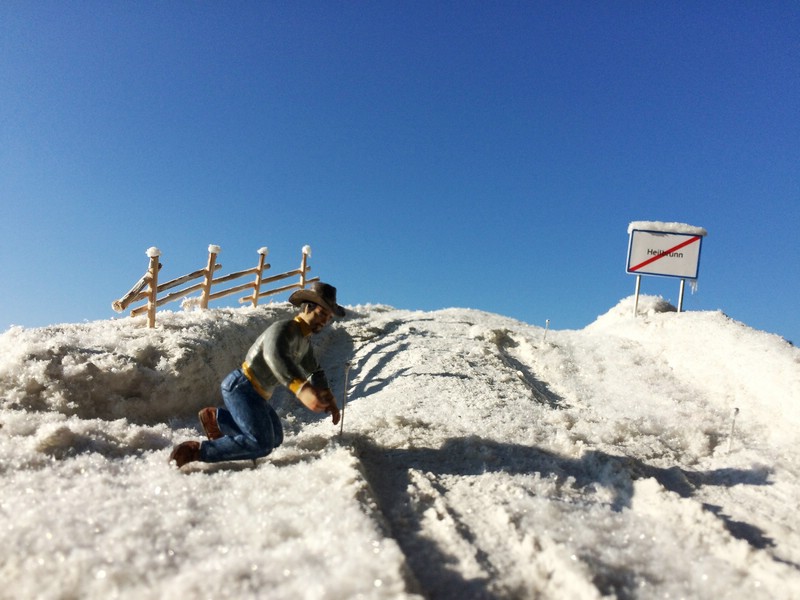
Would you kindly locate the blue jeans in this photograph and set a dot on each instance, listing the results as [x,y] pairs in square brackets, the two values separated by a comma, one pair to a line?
[250,426]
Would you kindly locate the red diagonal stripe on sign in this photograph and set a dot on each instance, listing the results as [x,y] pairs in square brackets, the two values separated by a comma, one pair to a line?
[665,253]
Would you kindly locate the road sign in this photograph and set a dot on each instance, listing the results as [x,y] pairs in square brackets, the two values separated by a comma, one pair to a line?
[667,254]
[666,250]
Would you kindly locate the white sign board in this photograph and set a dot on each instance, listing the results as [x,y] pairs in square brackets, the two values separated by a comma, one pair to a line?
[667,254]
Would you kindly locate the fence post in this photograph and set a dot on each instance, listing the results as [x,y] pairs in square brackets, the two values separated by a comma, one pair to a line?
[306,254]
[262,255]
[212,259]
[152,293]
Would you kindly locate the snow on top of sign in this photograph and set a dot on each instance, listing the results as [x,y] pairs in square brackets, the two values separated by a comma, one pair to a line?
[667,227]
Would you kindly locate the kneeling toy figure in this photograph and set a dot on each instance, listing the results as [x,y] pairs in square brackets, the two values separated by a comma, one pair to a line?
[247,427]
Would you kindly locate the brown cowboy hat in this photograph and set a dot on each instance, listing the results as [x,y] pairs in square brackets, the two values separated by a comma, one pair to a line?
[320,293]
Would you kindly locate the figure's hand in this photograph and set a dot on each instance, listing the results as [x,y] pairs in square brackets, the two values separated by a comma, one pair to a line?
[331,405]
[319,400]
[312,398]
[335,415]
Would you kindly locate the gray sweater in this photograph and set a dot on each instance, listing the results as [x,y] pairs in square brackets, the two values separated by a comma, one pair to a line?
[282,355]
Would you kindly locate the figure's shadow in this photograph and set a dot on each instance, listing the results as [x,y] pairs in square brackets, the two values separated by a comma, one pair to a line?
[388,473]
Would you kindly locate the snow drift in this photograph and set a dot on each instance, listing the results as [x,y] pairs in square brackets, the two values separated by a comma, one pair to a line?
[481,457]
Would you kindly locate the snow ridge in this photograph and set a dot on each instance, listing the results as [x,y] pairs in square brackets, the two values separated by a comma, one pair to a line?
[480,459]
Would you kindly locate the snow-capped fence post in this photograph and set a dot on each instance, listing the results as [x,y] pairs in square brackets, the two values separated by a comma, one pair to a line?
[262,255]
[152,280]
[213,251]
[303,264]
[134,293]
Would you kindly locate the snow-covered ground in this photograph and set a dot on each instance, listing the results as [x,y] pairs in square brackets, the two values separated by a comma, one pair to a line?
[481,457]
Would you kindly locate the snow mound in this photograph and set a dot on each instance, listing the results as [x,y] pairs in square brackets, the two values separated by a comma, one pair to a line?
[120,369]
[479,457]
[718,356]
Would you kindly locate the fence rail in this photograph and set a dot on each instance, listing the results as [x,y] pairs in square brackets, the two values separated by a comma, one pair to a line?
[147,287]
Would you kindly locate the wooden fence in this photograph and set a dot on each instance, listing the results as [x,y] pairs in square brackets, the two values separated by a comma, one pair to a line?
[148,288]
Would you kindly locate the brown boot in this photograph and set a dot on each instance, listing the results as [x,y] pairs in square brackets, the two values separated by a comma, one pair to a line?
[208,420]
[185,452]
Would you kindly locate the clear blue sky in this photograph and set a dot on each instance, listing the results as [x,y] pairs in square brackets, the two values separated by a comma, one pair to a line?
[433,154]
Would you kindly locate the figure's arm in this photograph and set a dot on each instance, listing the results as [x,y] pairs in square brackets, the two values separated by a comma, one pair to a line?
[281,348]
[305,378]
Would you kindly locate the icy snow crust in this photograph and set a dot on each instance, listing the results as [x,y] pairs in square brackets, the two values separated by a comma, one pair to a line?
[666,227]
[482,457]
